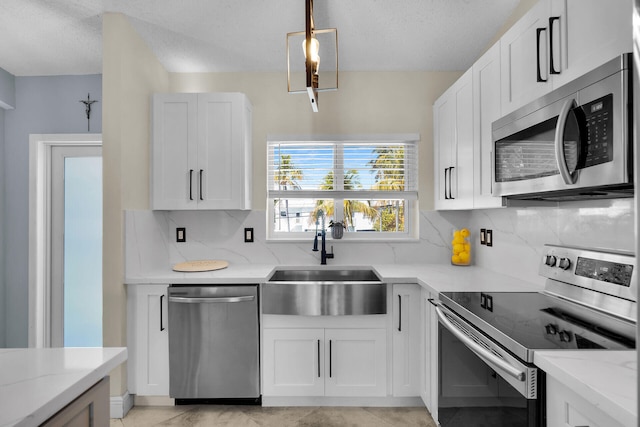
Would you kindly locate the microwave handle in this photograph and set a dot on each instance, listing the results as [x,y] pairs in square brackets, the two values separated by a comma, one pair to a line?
[561,161]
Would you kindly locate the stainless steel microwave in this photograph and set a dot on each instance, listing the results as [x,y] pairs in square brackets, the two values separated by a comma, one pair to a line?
[573,143]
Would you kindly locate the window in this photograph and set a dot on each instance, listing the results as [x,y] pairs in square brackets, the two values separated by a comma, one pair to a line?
[370,184]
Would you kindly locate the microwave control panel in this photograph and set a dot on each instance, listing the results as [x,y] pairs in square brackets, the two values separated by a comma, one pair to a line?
[598,147]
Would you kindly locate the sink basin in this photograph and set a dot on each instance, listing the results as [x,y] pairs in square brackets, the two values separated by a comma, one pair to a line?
[324,275]
[324,292]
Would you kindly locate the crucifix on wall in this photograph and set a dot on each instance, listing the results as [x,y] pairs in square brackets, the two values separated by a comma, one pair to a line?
[87,104]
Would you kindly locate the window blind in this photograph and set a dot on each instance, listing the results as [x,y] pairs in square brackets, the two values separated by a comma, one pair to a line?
[340,169]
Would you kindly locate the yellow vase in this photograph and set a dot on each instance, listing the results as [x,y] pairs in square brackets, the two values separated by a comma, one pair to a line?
[460,247]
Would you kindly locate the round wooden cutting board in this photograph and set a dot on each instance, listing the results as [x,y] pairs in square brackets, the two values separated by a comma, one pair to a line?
[200,265]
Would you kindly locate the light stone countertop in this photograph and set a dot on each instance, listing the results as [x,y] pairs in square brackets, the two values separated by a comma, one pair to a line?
[606,379]
[435,277]
[36,383]
[590,373]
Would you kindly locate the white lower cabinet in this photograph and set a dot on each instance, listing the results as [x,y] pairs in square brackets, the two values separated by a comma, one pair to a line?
[148,340]
[324,362]
[406,339]
[565,408]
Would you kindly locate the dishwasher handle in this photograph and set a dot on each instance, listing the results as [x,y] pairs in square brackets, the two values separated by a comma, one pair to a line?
[203,300]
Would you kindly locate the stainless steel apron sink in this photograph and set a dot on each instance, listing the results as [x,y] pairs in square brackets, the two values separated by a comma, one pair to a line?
[324,292]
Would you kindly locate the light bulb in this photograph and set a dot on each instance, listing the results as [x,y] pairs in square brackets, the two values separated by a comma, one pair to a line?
[315,48]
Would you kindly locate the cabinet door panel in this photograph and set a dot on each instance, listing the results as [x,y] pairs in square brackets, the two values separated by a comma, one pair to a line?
[293,362]
[174,151]
[150,360]
[521,59]
[590,32]
[406,340]
[220,151]
[486,99]
[356,362]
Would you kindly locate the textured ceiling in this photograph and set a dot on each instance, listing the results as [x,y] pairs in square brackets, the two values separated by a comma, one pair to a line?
[52,37]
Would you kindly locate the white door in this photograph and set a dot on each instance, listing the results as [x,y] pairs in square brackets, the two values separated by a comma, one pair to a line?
[356,361]
[292,363]
[76,246]
[524,59]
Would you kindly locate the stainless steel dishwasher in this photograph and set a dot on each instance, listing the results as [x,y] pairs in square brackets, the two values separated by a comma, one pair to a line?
[214,343]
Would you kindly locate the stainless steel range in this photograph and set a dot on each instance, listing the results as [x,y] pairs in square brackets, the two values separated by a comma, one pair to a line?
[589,302]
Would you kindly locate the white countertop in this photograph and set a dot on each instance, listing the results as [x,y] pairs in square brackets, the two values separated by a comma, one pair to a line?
[606,379]
[436,277]
[35,383]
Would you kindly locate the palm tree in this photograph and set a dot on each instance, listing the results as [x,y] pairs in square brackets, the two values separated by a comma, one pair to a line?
[351,181]
[287,177]
[389,176]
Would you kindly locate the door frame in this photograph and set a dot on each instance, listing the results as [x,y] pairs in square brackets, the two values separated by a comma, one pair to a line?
[40,148]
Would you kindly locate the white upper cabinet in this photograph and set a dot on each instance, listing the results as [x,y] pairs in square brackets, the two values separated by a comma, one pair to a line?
[524,59]
[486,109]
[588,33]
[453,146]
[557,41]
[201,151]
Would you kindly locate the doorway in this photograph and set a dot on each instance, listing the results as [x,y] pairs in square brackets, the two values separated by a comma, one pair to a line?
[65,248]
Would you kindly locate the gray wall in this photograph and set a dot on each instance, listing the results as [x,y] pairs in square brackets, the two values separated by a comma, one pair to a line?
[43,105]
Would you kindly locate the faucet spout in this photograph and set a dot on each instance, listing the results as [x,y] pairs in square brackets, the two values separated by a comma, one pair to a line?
[323,252]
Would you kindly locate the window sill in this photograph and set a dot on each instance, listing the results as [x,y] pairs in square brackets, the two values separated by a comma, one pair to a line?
[333,241]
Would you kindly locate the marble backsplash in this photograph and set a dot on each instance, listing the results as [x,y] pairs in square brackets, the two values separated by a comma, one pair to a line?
[519,235]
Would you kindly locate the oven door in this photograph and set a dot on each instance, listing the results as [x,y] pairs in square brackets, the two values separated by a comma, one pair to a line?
[481,384]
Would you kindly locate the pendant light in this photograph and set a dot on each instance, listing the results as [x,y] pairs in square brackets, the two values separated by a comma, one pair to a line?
[311,51]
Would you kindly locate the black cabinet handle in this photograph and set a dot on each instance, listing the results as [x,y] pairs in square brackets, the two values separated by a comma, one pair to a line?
[190,184]
[330,357]
[538,31]
[318,358]
[445,183]
[552,68]
[201,185]
[450,172]
[161,316]
[399,313]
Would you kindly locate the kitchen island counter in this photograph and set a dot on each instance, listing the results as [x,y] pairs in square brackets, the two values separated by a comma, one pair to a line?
[36,383]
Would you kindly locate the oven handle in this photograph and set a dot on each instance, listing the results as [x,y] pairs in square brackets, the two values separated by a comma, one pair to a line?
[197,300]
[480,351]
[561,160]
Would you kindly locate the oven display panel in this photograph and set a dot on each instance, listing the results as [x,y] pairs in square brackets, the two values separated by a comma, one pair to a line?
[604,271]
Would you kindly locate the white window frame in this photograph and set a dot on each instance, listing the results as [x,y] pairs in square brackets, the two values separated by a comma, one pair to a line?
[411,220]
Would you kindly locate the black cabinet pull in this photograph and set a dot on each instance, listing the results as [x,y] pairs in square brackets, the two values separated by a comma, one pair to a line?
[161,316]
[318,358]
[330,357]
[190,184]
[450,173]
[201,185]
[399,313]
[538,31]
[552,68]
[445,183]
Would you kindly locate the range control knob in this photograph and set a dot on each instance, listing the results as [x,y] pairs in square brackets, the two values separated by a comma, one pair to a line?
[564,336]
[564,263]
[550,260]
[551,329]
